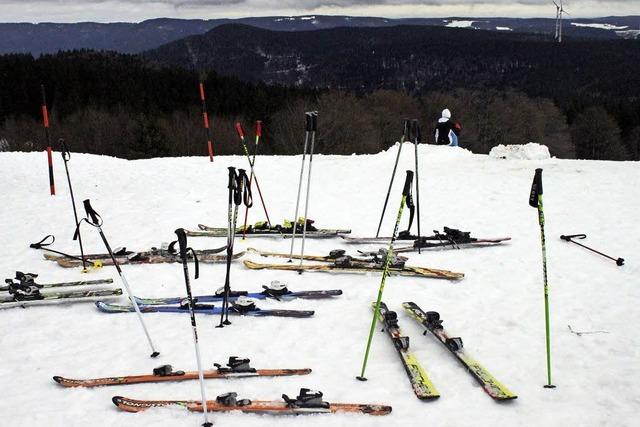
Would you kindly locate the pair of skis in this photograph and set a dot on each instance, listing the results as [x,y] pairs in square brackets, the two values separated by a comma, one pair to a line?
[206,231]
[420,382]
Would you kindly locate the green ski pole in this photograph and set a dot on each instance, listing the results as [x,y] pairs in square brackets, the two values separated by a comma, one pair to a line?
[406,199]
[535,201]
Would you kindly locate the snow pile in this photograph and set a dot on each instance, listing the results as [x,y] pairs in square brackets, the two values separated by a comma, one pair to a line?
[600,26]
[530,151]
[497,308]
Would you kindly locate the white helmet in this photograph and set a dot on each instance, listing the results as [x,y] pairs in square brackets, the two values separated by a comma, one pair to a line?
[446,114]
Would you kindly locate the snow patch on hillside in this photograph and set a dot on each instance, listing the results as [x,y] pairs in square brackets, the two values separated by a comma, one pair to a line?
[504,29]
[461,24]
[600,26]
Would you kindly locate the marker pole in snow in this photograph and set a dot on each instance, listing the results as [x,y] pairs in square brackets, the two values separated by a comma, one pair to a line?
[66,155]
[182,243]
[205,119]
[309,125]
[405,136]
[239,192]
[253,173]
[406,192]
[415,130]
[95,220]
[314,127]
[45,122]
[618,261]
[253,162]
[535,201]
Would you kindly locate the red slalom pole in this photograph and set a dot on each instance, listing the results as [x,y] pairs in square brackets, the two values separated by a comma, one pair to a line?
[45,122]
[205,119]
[255,151]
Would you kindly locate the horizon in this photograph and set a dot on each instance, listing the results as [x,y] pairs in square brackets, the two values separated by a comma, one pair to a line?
[137,11]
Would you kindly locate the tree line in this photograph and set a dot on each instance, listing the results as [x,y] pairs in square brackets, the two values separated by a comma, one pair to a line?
[118,105]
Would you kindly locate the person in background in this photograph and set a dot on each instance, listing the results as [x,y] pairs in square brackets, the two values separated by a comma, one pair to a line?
[446,131]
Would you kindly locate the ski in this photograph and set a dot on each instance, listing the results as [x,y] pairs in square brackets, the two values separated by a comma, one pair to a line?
[434,246]
[262,229]
[28,279]
[319,234]
[420,382]
[204,309]
[146,258]
[123,253]
[236,368]
[58,298]
[337,255]
[450,237]
[308,402]
[360,268]
[279,293]
[432,323]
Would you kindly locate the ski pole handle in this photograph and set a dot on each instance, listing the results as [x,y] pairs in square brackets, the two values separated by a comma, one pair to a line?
[258,128]
[232,178]
[182,243]
[314,121]
[407,184]
[406,129]
[573,236]
[536,189]
[91,213]
[309,123]
[66,154]
[415,130]
[239,130]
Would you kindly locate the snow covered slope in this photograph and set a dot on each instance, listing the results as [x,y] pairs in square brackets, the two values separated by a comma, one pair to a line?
[497,309]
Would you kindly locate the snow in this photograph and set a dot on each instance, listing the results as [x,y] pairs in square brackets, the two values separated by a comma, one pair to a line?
[600,26]
[497,309]
[504,29]
[460,24]
[530,151]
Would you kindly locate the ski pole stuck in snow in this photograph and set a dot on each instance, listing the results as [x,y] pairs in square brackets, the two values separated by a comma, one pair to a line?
[96,221]
[570,238]
[535,201]
[45,123]
[253,162]
[182,243]
[406,194]
[205,120]
[314,127]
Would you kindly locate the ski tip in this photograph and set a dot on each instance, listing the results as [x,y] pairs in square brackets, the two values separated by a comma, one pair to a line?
[58,379]
[117,400]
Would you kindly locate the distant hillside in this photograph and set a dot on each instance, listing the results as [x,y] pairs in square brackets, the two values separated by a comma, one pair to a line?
[137,37]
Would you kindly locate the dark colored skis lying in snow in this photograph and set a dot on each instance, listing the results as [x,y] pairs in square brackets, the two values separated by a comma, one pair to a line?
[433,324]
[236,368]
[420,382]
[239,307]
[307,402]
[57,298]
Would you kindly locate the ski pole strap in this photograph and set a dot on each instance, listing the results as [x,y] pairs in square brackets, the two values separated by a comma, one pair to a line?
[242,194]
[66,154]
[406,193]
[573,236]
[43,243]
[536,189]
[92,216]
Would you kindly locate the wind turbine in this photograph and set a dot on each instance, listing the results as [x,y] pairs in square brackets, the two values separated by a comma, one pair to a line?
[560,12]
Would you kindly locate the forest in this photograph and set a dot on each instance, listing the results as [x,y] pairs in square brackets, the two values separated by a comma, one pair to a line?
[125,106]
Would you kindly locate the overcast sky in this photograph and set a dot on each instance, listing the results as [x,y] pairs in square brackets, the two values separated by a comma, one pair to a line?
[138,10]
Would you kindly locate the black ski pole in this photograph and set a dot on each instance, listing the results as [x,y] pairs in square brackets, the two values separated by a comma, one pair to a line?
[619,261]
[415,130]
[182,243]
[535,201]
[95,220]
[66,156]
[405,134]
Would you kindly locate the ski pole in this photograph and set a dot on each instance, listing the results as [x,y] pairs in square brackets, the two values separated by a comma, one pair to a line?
[619,261]
[45,122]
[95,220]
[405,133]
[535,201]
[255,152]
[182,243]
[415,130]
[255,178]
[309,124]
[66,156]
[205,119]
[314,127]
[43,245]
[406,191]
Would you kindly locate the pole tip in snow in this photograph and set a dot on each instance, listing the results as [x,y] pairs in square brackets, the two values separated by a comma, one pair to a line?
[361,378]
[207,424]
[549,386]
[620,261]
[155,354]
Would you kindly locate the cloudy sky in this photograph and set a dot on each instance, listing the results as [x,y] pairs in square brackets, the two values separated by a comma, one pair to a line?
[138,10]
